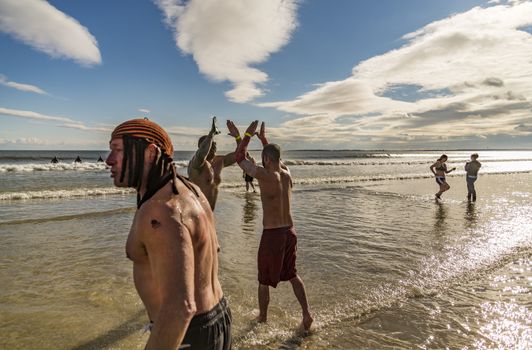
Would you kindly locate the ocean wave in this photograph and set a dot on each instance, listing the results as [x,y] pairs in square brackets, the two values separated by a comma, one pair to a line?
[228,186]
[52,194]
[397,161]
[88,166]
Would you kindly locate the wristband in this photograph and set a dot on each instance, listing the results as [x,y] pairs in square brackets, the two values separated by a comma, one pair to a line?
[247,134]
[238,138]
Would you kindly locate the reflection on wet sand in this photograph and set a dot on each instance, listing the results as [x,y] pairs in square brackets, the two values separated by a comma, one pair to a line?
[249,215]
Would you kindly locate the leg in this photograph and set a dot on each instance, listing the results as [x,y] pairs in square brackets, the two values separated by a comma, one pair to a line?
[301,295]
[247,186]
[264,300]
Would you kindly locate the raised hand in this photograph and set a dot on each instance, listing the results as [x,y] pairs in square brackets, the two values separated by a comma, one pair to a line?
[262,133]
[214,129]
[251,128]
[233,130]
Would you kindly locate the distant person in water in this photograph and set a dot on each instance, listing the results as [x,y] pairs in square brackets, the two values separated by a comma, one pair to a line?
[172,243]
[472,169]
[99,159]
[439,169]
[205,167]
[248,178]
[278,244]
[54,160]
[77,160]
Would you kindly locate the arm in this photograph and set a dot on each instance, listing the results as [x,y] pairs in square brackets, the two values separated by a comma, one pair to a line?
[466,167]
[230,159]
[448,171]
[432,168]
[201,154]
[262,134]
[169,247]
[198,160]
[248,166]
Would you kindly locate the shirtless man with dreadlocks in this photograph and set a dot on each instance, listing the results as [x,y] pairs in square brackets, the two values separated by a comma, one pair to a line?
[172,243]
[205,168]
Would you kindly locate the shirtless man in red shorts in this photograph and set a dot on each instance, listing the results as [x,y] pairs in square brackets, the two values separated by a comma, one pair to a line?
[278,245]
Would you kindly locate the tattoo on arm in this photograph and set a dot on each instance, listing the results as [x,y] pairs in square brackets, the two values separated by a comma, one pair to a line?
[155,224]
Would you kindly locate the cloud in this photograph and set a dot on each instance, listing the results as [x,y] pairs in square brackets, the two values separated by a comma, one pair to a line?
[226,38]
[45,28]
[471,73]
[144,110]
[65,122]
[22,87]
[23,141]
[33,115]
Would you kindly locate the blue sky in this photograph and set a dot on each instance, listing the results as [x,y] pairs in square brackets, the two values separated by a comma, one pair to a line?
[322,74]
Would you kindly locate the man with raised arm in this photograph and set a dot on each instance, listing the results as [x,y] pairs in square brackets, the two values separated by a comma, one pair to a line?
[205,168]
[278,244]
[172,243]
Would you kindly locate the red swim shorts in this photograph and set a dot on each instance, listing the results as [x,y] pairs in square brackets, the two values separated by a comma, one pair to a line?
[277,255]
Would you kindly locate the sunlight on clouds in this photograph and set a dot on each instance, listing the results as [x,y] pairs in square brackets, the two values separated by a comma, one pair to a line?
[22,87]
[473,72]
[45,28]
[227,37]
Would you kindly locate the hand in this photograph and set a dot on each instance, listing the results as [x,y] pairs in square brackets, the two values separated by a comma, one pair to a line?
[252,127]
[214,129]
[233,130]
[262,134]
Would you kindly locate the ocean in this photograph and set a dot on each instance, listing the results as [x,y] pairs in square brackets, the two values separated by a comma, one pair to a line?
[384,264]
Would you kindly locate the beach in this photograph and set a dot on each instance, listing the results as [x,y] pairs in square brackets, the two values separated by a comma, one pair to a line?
[384,264]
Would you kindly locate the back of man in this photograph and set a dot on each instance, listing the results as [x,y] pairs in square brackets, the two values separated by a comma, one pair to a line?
[278,245]
[276,194]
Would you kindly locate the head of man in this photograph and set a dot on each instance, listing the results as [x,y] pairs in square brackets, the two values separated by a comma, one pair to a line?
[271,155]
[139,148]
[212,150]
[474,156]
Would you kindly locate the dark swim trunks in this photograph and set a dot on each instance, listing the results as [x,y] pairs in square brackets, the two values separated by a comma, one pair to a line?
[210,330]
[248,178]
[277,255]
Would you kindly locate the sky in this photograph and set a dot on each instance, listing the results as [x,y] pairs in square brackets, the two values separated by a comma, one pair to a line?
[343,74]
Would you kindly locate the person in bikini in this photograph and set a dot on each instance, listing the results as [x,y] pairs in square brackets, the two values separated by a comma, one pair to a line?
[439,169]
[472,169]
[278,244]
[172,242]
[205,167]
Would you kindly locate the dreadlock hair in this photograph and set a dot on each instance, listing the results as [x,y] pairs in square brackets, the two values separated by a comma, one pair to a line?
[134,150]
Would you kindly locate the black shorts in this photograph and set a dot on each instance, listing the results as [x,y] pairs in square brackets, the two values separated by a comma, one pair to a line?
[210,330]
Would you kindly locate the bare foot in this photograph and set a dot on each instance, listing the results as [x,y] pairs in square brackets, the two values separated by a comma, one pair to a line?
[306,323]
[260,319]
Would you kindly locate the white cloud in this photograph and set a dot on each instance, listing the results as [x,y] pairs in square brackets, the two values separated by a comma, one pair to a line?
[65,122]
[45,28]
[468,74]
[227,37]
[144,110]
[23,141]
[33,115]
[22,87]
